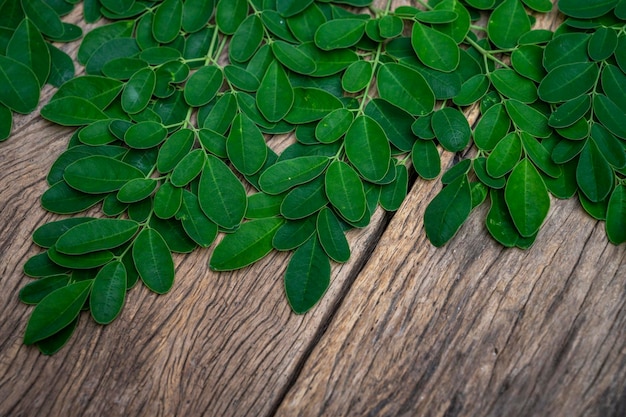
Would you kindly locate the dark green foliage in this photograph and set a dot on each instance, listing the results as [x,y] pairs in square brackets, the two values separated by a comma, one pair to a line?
[176,116]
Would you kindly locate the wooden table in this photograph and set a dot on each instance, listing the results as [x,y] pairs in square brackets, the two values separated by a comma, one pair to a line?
[470,329]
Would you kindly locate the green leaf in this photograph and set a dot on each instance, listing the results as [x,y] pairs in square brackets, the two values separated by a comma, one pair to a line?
[539,155]
[568,81]
[19,87]
[499,222]
[480,168]
[241,79]
[357,76]
[303,25]
[41,265]
[136,190]
[100,35]
[100,174]
[436,16]
[405,88]
[56,311]
[367,148]
[202,86]
[100,91]
[196,224]
[115,48]
[614,85]
[610,115]
[334,125]
[153,261]
[527,61]
[174,149]
[292,234]
[286,174]
[61,67]
[311,104]
[230,14]
[451,129]
[108,293]
[277,25]
[345,191]
[188,168]
[145,135]
[570,112]
[328,62]
[246,146]
[457,170]
[340,33]
[261,205]
[196,14]
[72,111]
[47,235]
[173,234]
[594,174]
[28,47]
[275,95]
[6,122]
[602,44]
[527,198]
[293,58]
[472,90]
[251,242]
[222,196]
[435,49]
[35,291]
[395,122]
[616,216]
[507,23]
[246,40]
[331,236]
[610,147]
[390,26]
[213,142]
[586,9]
[568,48]
[304,200]
[167,200]
[512,85]
[392,195]
[505,155]
[527,119]
[96,235]
[117,6]
[567,150]
[289,8]
[307,277]
[425,158]
[542,6]
[168,20]
[44,17]
[62,199]
[138,91]
[447,212]
[579,130]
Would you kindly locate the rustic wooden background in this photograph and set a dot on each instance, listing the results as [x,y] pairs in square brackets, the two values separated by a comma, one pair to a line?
[470,329]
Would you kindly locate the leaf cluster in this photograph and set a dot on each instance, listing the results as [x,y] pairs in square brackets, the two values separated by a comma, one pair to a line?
[174,142]
[28,58]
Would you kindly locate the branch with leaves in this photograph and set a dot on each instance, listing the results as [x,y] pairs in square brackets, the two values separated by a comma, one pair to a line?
[176,115]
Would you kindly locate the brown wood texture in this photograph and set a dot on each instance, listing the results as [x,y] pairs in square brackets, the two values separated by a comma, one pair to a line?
[406,329]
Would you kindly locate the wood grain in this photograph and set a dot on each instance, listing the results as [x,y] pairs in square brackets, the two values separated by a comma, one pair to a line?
[405,329]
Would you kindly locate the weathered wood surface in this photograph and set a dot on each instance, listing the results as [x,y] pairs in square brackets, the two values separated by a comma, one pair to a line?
[468,329]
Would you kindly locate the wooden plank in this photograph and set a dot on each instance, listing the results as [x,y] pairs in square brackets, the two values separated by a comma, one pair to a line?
[218,344]
[474,329]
